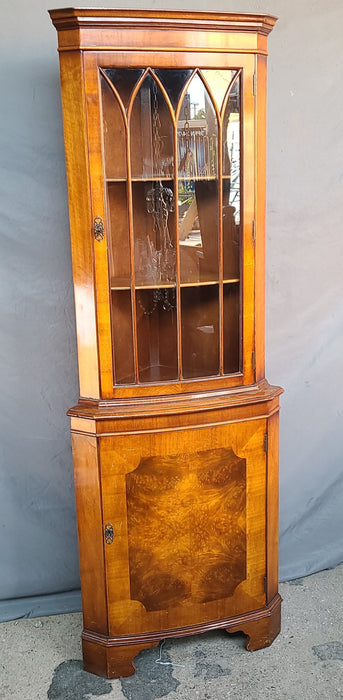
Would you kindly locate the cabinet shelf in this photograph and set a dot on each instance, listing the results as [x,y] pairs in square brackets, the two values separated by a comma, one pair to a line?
[154,178]
[122,285]
[167,178]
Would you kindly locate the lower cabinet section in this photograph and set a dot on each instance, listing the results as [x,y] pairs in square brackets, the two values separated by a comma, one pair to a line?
[173,532]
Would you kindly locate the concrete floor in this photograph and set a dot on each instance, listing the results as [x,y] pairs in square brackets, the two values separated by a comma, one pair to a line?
[41,657]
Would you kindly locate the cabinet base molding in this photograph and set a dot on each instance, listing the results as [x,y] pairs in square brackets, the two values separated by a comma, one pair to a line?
[112,657]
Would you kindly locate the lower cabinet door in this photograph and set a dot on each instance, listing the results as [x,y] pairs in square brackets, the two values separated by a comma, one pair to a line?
[187,510]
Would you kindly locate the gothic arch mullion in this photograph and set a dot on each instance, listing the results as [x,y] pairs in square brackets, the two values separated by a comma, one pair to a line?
[236,79]
[228,92]
[176,219]
[176,170]
[147,72]
[116,94]
[197,72]
[135,91]
[220,223]
[183,92]
[130,218]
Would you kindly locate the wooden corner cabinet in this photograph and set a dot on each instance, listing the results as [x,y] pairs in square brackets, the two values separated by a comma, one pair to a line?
[175,436]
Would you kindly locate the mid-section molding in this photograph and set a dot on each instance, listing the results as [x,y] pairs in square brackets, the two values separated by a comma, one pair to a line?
[261,392]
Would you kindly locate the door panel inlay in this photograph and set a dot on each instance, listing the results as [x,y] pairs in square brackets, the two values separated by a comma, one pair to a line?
[186,527]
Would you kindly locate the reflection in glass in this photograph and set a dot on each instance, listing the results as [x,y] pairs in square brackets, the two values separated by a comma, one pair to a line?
[218,82]
[124,80]
[153,197]
[113,130]
[122,333]
[191,252]
[197,133]
[157,334]
[231,149]
[231,329]
[231,185]
[118,235]
[198,186]
[174,81]
[154,237]
[151,133]
[200,330]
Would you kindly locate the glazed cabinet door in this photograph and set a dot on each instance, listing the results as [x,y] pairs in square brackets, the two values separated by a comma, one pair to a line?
[172,166]
[185,516]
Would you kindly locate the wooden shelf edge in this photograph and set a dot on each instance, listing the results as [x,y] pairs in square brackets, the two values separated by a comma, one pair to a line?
[158,178]
[167,285]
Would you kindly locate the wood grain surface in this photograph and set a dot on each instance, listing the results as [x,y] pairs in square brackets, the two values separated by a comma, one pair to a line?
[186,517]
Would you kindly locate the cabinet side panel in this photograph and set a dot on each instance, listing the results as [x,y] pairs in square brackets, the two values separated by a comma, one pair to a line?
[260,214]
[90,532]
[272,532]
[80,221]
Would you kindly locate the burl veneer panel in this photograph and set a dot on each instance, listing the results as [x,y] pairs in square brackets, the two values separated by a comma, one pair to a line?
[186,517]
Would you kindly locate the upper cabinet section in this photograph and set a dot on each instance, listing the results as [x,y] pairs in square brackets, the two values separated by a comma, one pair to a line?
[164,116]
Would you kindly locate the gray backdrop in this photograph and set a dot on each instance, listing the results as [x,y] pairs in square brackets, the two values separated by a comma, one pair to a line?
[38,545]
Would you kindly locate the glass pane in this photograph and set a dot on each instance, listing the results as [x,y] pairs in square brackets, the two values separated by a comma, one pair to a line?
[197,133]
[197,147]
[231,184]
[124,80]
[118,235]
[200,330]
[151,133]
[154,233]
[218,82]
[232,332]
[122,334]
[157,334]
[174,81]
[113,130]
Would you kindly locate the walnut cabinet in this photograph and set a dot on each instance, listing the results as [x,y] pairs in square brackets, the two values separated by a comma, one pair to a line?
[175,435]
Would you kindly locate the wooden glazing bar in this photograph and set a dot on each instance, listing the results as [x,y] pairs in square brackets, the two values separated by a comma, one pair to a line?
[132,255]
[177,244]
[242,216]
[220,221]
[177,233]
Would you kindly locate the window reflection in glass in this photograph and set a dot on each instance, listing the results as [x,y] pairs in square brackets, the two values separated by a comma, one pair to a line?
[197,130]
[231,150]
[231,185]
